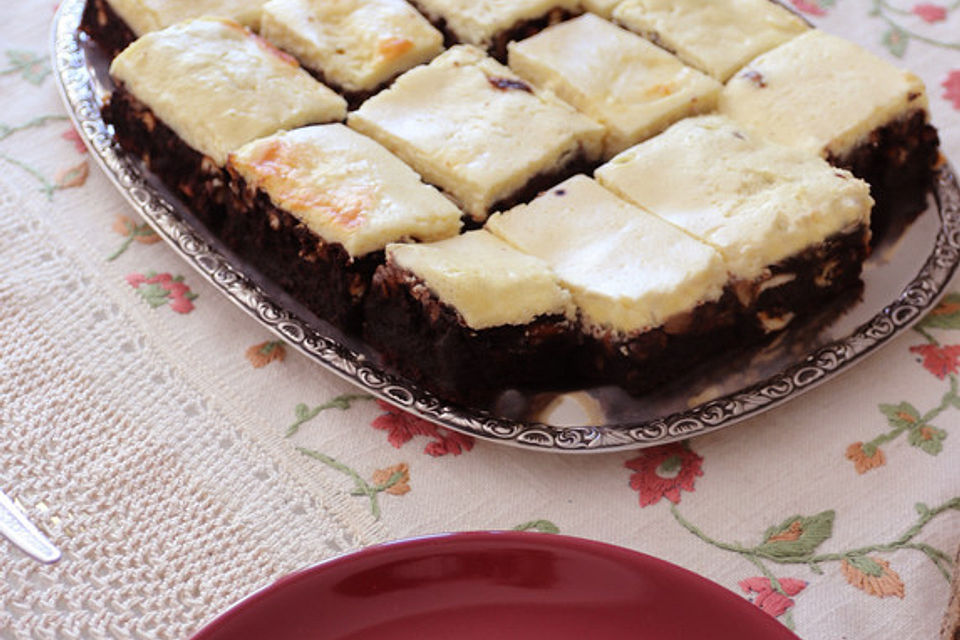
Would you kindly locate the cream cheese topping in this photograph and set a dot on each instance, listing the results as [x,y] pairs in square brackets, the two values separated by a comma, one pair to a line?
[346,188]
[470,126]
[821,93]
[487,281]
[755,201]
[356,44]
[144,16]
[627,270]
[478,22]
[715,36]
[632,87]
[603,8]
[219,86]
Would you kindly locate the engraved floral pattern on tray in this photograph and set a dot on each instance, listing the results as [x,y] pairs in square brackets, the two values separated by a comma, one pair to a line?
[78,83]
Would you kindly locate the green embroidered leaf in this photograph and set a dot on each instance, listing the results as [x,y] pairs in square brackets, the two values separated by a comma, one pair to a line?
[268,348]
[896,41]
[797,536]
[345,401]
[305,413]
[543,526]
[902,416]
[866,565]
[945,315]
[154,294]
[32,67]
[302,411]
[928,438]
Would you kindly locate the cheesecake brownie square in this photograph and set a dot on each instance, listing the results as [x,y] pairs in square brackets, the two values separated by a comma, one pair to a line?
[833,98]
[476,130]
[470,316]
[716,36]
[491,24]
[651,299]
[630,86]
[354,46]
[188,95]
[114,24]
[313,209]
[793,230]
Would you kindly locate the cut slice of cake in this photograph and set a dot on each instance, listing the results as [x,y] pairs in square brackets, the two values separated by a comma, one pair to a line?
[716,36]
[188,95]
[630,86]
[491,24]
[355,46]
[652,300]
[313,209]
[831,97]
[470,316]
[476,130]
[793,231]
[114,24]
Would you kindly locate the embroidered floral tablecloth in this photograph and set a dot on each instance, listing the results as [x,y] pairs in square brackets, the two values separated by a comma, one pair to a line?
[181,457]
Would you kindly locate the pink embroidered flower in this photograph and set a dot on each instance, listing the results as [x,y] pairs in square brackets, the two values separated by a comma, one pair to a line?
[952,85]
[939,360]
[809,6]
[402,427]
[930,12]
[769,599]
[664,472]
[71,135]
[158,289]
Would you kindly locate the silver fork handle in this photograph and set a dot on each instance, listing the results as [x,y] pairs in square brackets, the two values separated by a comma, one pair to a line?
[21,532]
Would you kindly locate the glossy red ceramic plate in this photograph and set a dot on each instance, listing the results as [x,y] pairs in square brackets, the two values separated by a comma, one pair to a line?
[495,585]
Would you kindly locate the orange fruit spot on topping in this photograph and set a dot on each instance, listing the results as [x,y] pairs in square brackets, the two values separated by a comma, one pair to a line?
[392,48]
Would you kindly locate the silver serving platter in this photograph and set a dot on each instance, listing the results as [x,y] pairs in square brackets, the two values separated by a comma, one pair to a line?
[905,276]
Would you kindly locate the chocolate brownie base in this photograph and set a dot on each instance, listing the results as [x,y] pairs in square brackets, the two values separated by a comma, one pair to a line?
[320,275]
[498,48]
[797,286]
[426,340]
[642,362]
[193,176]
[898,161]
[105,27]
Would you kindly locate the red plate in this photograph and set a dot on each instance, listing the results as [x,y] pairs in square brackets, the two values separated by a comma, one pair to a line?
[499,585]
